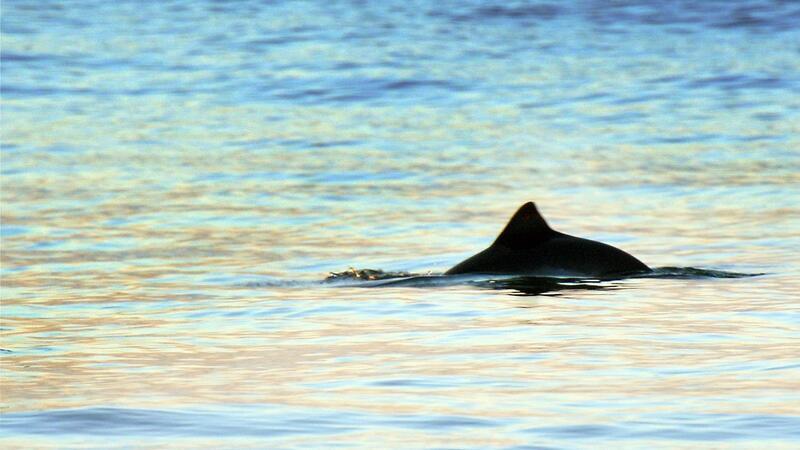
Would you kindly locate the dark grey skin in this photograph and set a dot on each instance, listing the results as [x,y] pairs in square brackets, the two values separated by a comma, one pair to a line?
[528,246]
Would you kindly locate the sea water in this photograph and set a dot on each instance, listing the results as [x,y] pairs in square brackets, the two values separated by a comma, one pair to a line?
[180,177]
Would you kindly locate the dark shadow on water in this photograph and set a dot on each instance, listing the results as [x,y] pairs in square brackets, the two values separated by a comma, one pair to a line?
[516,285]
[519,285]
[525,286]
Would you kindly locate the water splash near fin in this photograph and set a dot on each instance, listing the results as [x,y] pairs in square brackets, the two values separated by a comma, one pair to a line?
[520,285]
[693,273]
[365,275]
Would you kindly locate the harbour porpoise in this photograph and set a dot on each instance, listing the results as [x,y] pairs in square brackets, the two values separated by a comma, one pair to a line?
[528,246]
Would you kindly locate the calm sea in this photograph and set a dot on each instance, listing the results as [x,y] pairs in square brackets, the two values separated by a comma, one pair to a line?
[179,177]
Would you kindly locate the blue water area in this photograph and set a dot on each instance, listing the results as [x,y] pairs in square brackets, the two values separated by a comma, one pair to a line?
[225,224]
[272,423]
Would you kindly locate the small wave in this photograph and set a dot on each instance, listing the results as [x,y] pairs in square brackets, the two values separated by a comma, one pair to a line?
[518,285]
[278,284]
[693,273]
[494,12]
[364,274]
[736,81]
[521,285]
[353,274]
[8,57]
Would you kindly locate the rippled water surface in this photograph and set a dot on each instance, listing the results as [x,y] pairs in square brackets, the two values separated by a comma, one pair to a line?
[178,179]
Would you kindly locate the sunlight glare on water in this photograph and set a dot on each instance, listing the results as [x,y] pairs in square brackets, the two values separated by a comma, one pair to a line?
[178,178]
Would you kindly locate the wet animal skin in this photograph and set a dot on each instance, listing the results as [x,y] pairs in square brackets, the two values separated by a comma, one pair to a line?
[528,246]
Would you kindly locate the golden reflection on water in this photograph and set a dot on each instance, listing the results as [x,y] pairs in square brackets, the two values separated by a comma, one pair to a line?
[132,225]
[126,282]
[478,345]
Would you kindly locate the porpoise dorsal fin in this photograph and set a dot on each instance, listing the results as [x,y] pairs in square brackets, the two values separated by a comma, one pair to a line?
[525,229]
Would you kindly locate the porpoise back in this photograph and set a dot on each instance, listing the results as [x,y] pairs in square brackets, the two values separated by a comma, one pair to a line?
[528,246]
